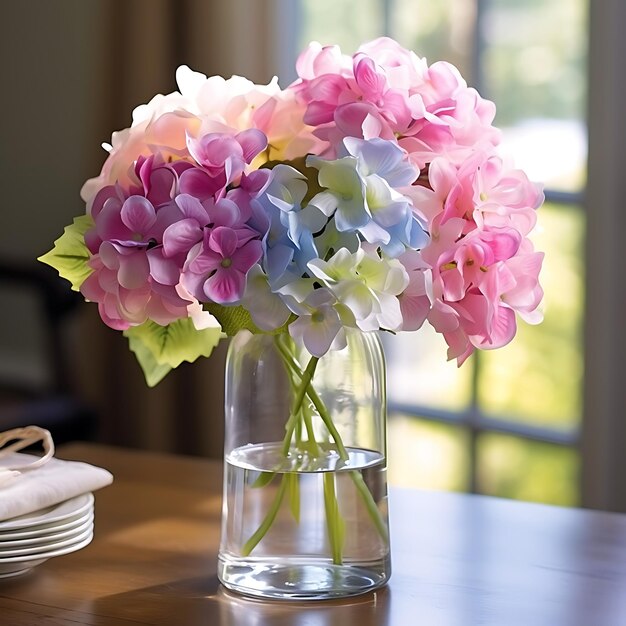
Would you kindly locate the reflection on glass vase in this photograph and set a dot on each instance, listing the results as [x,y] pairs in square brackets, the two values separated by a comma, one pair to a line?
[305,488]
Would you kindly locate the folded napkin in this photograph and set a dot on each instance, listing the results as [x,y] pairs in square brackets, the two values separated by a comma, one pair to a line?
[46,485]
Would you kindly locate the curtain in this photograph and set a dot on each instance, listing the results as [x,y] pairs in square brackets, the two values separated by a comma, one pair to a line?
[138,46]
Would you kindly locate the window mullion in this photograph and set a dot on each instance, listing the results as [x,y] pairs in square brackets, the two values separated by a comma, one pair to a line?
[387,10]
[604,423]
[477,77]
[473,425]
[484,423]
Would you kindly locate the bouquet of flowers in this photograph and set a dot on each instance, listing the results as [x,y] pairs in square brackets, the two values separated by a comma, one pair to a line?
[367,194]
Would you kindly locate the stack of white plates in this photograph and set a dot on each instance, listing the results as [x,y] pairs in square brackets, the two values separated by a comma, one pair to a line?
[29,540]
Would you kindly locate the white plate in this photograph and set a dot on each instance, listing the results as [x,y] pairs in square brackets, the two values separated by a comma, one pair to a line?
[18,565]
[49,516]
[6,546]
[68,524]
[21,568]
[7,555]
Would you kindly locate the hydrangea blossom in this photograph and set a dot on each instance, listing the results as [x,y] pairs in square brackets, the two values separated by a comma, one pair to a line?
[367,194]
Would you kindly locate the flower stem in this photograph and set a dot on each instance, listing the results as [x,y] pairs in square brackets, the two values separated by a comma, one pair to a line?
[297,402]
[334,522]
[293,491]
[301,414]
[317,403]
[266,524]
[370,505]
[357,479]
[312,444]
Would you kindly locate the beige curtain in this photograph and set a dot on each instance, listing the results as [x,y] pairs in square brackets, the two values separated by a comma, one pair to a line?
[138,45]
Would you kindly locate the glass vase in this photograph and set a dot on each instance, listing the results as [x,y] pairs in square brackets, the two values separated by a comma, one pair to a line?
[305,488]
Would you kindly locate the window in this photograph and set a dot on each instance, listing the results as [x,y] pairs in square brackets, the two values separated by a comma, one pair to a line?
[507,423]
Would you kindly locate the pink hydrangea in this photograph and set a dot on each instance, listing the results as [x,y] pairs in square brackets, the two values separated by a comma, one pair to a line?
[121,307]
[216,267]
[145,233]
[386,91]
[132,280]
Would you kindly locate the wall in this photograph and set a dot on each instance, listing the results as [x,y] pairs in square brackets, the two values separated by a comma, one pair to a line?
[72,72]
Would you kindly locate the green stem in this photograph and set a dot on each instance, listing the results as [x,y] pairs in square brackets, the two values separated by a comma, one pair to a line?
[317,403]
[308,424]
[297,402]
[293,489]
[266,524]
[357,479]
[298,433]
[264,478]
[370,504]
[334,523]
[301,413]
[288,481]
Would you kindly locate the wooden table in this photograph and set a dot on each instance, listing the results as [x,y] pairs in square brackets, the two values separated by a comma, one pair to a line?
[458,560]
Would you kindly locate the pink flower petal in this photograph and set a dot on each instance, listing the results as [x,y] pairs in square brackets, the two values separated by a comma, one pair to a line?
[255,181]
[112,322]
[162,186]
[350,117]
[246,256]
[164,271]
[194,284]
[181,237]
[503,329]
[104,196]
[225,286]
[414,311]
[223,240]
[224,212]
[192,208]
[504,242]
[396,109]
[319,113]
[134,270]
[252,142]
[138,214]
[133,302]
[369,80]
[205,263]
[453,284]
[198,183]
[109,256]
[91,289]
[109,224]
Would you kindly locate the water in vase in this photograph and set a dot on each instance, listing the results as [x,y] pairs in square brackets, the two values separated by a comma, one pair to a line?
[303,525]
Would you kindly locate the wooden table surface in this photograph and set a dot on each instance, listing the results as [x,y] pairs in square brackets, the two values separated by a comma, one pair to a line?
[458,560]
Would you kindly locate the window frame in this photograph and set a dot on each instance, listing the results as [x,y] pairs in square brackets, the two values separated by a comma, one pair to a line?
[472,419]
[600,439]
[603,440]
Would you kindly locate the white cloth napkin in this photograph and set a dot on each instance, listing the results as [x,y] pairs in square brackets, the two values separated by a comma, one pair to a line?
[54,482]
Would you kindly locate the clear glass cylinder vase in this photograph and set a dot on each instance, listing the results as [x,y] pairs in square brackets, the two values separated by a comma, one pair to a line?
[305,488]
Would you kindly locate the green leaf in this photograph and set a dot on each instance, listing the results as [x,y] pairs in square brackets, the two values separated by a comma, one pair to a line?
[153,371]
[161,348]
[232,319]
[69,255]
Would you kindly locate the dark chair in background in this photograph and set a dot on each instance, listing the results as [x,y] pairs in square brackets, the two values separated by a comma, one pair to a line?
[48,403]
